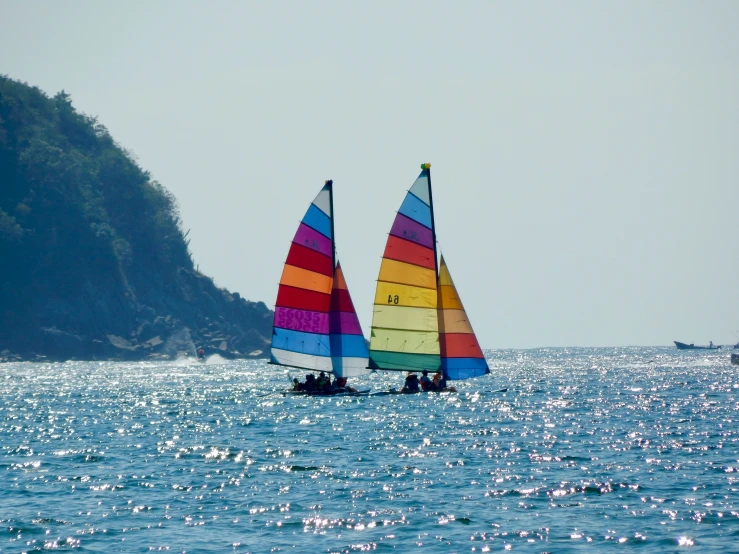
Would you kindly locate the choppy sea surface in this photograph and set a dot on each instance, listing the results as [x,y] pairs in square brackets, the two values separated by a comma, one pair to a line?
[590,449]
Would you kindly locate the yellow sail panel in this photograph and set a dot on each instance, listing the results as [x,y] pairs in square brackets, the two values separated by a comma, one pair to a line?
[392,271]
[445,278]
[448,298]
[393,294]
[409,342]
[454,321]
[306,279]
[402,317]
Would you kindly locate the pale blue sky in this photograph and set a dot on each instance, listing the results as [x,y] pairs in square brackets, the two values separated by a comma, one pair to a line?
[584,154]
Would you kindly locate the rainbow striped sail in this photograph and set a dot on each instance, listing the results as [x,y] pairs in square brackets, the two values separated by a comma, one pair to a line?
[312,327]
[461,355]
[418,321]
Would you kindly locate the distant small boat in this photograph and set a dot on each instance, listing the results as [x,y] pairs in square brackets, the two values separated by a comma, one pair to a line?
[683,346]
[734,358]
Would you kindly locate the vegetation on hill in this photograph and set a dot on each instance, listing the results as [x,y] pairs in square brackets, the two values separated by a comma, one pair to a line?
[94,260]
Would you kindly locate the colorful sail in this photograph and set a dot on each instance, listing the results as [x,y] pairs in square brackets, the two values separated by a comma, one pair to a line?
[461,355]
[405,331]
[300,333]
[348,347]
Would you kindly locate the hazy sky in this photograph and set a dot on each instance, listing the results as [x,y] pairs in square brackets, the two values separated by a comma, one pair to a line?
[584,154]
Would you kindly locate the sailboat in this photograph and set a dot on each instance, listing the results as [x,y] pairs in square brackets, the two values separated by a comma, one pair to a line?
[418,321]
[315,324]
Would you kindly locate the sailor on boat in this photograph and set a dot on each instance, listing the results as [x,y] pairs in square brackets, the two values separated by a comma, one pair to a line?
[201,354]
[340,385]
[411,383]
[439,381]
[426,384]
[310,383]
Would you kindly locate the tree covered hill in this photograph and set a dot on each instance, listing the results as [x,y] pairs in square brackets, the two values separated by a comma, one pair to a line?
[93,260]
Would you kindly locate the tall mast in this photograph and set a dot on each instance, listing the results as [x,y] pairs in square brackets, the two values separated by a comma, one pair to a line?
[427,167]
[330,184]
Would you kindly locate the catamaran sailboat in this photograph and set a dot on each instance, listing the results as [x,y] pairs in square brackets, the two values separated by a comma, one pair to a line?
[418,321]
[315,324]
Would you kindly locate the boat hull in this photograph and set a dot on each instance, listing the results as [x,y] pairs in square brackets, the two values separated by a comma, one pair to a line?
[684,346]
[448,390]
[326,393]
[735,358]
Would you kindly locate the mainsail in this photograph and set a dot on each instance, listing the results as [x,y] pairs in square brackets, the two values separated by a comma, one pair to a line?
[405,329]
[418,320]
[311,328]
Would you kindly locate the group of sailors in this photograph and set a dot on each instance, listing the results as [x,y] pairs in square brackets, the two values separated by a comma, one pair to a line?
[425,383]
[322,384]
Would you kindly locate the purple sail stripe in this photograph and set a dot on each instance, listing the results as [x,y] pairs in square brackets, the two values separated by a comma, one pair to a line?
[311,238]
[405,228]
[345,323]
[301,320]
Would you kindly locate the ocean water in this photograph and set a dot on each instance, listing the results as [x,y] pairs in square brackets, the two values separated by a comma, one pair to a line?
[590,449]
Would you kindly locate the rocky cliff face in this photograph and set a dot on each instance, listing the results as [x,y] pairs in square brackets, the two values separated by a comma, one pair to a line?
[94,261]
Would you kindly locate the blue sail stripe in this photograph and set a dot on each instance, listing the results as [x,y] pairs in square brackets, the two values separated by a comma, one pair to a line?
[349,346]
[316,219]
[457,369]
[416,209]
[298,341]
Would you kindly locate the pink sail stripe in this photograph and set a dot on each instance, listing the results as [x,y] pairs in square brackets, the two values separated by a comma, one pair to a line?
[345,323]
[301,320]
[313,239]
[405,228]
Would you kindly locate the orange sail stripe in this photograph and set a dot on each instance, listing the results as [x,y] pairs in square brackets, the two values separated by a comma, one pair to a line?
[305,279]
[339,281]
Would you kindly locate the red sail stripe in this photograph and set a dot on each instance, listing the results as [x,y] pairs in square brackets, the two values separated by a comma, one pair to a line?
[341,301]
[307,258]
[459,345]
[409,252]
[302,299]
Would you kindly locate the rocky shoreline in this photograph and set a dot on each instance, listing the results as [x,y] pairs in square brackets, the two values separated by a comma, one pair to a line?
[204,317]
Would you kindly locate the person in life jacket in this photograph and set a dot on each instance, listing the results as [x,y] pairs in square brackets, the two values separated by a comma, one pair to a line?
[201,354]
